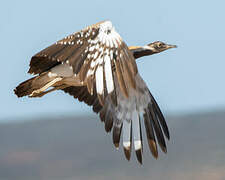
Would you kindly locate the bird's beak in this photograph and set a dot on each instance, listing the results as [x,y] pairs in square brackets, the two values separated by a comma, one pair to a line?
[168,46]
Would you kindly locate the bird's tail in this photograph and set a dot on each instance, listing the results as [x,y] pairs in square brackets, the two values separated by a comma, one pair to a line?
[35,86]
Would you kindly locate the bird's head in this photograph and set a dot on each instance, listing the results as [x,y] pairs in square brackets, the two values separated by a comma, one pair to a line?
[152,48]
[159,46]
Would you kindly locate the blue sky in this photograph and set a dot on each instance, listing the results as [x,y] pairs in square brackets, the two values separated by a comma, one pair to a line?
[187,79]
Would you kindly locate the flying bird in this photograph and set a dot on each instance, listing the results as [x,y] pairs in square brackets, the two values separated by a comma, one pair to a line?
[96,66]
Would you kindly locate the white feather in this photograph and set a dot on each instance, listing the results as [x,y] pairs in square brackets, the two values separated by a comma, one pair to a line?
[90,72]
[96,54]
[99,80]
[137,145]
[108,74]
[111,43]
[97,46]
[93,63]
[126,134]
[114,43]
[104,38]
[111,54]
[107,42]
[99,60]
[92,48]
[136,130]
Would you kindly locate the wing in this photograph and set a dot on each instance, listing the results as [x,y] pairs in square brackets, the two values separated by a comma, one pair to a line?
[127,116]
[70,49]
[154,121]
[81,93]
[111,84]
[91,53]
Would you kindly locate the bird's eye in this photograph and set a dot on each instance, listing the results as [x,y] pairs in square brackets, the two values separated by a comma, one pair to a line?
[108,31]
[160,44]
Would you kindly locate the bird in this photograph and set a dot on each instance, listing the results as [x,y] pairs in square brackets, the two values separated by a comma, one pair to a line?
[95,66]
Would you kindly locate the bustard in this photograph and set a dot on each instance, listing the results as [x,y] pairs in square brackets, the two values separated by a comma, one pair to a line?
[95,66]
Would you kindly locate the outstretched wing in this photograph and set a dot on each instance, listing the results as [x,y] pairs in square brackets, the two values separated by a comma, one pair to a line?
[68,49]
[111,84]
[91,53]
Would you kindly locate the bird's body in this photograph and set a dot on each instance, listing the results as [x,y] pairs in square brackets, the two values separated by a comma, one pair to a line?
[95,66]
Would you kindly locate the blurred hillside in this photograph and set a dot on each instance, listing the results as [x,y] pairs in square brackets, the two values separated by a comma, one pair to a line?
[66,148]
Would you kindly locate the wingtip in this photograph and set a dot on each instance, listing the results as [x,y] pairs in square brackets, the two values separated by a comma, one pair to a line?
[139,155]
[116,145]
[163,147]
[153,148]
[127,152]
[168,136]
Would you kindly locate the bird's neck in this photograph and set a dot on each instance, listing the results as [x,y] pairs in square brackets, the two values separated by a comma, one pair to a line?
[139,51]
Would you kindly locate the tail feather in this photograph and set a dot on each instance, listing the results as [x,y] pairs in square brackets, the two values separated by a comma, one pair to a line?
[27,87]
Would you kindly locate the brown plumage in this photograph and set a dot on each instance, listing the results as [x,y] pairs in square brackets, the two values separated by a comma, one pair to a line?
[95,66]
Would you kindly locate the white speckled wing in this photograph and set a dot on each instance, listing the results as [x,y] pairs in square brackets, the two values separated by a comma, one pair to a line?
[92,53]
[101,60]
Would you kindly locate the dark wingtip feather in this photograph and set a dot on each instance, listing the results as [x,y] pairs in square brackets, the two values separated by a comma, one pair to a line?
[96,106]
[161,120]
[150,134]
[101,99]
[164,149]
[153,148]
[102,116]
[108,122]
[127,152]
[157,128]
[116,145]
[116,134]
[160,116]
[139,155]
